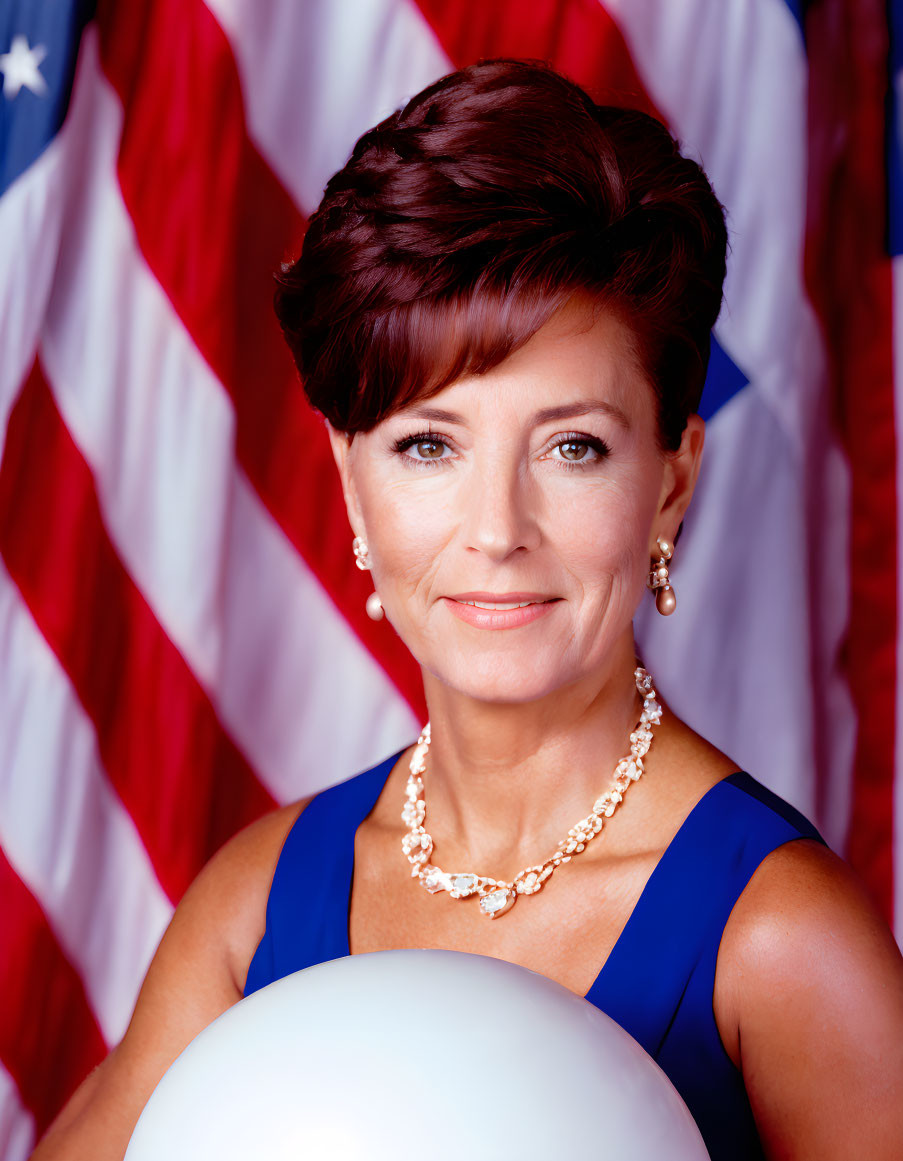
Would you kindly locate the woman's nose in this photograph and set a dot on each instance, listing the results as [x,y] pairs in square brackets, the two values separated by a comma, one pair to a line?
[501,514]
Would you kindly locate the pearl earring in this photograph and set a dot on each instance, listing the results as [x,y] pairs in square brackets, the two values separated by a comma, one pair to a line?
[361,553]
[659,582]
[362,560]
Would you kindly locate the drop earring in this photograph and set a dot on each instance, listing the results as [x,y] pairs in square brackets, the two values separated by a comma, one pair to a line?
[374,605]
[659,581]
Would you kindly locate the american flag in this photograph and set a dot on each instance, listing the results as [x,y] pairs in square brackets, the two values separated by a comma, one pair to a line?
[183,640]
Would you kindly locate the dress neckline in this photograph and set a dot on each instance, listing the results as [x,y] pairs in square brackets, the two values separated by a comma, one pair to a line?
[641,908]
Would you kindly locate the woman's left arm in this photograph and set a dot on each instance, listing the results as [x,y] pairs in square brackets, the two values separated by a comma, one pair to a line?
[813,978]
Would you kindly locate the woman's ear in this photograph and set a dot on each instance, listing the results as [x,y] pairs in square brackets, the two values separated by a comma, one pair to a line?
[679,481]
[340,442]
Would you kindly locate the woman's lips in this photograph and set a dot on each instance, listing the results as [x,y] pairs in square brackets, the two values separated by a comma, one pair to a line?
[500,618]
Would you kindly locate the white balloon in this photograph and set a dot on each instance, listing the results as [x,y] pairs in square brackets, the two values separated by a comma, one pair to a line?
[434,1054]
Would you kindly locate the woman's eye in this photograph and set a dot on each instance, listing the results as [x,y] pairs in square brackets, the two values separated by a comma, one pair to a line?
[422,449]
[580,451]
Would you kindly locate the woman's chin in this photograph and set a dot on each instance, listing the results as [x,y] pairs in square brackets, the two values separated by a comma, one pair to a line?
[512,684]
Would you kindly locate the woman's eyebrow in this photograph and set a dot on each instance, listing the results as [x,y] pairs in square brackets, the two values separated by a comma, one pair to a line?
[435,413]
[545,415]
[582,407]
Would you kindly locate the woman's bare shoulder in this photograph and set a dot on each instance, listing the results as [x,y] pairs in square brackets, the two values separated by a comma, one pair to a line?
[808,995]
[802,900]
[228,899]
[224,909]
[810,979]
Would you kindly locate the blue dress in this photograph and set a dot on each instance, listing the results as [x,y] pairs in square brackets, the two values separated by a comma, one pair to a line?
[658,980]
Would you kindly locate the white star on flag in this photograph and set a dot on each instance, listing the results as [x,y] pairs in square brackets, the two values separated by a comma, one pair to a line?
[20,67]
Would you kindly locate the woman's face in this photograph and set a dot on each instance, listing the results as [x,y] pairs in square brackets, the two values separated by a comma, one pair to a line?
[539,481]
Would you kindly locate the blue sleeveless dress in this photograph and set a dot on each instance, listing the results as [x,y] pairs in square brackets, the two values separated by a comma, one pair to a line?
[659,978]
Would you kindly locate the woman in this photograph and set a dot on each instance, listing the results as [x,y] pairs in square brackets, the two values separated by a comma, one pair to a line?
[503,308]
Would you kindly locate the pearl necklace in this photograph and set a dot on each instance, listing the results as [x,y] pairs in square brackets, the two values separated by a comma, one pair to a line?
[496,895]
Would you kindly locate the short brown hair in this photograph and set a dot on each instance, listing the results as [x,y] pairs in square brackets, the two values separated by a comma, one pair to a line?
[462,221]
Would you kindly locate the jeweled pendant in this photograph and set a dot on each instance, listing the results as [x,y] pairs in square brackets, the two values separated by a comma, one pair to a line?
[497,901]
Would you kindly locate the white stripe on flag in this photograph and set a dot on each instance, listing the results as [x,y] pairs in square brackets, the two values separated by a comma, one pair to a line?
[749,63]
[16,1123]
[316,76]
[747,613]
[63,829]
[30,217]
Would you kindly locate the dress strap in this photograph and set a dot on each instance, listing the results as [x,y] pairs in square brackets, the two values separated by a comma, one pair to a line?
[675,928]
[307,908]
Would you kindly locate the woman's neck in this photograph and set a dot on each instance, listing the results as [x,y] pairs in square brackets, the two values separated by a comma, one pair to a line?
[505,781]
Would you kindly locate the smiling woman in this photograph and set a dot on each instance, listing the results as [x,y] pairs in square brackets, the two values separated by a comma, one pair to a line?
[503,309]
[500,502]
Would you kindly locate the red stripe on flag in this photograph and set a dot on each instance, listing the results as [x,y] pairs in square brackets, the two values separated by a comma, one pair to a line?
[214,223]
[578,37]
[846,251]
[180,776]
[49,1039]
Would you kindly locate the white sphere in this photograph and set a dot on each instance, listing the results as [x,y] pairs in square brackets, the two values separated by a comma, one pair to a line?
[433,1054]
